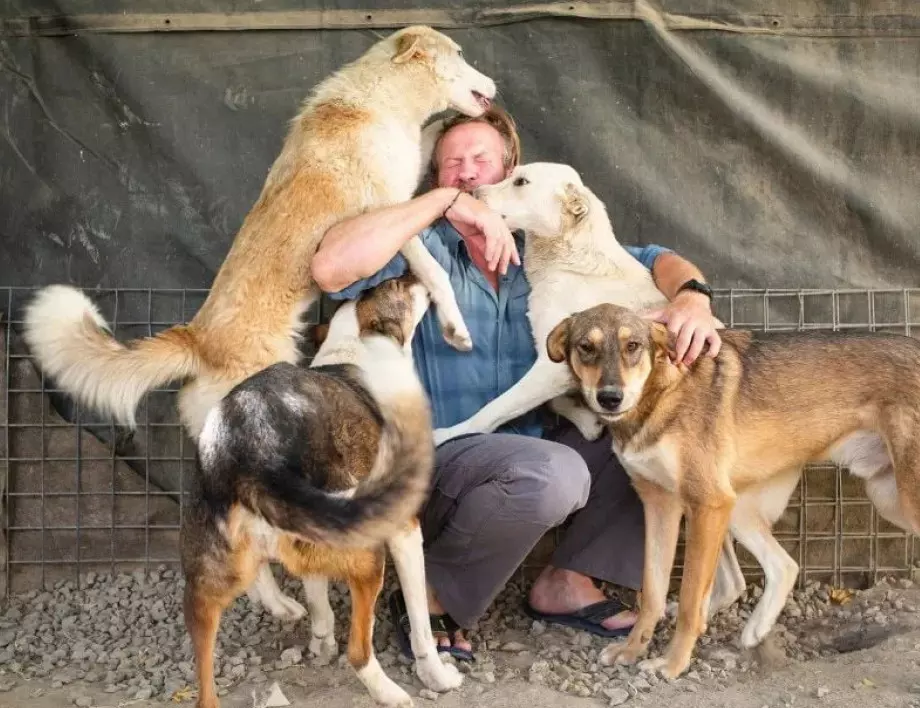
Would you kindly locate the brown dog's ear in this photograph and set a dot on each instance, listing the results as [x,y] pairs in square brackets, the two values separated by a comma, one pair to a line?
[557,343]
[575,202]
[409,46]
[663,339]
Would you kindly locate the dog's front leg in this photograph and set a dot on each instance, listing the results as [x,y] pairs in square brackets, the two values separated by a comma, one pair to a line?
[408,558]
[662,526]
[545,380]
[706,528]
[435,279]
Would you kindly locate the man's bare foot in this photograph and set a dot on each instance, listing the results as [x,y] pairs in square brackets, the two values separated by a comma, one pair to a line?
[443,640]
[558,591]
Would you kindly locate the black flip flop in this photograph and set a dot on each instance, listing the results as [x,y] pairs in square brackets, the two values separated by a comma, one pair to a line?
[587,619]
[443,624]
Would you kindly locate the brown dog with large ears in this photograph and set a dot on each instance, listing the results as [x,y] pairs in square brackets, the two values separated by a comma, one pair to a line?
[725,441]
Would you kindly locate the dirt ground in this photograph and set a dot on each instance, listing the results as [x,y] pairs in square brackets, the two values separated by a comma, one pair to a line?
[877,666]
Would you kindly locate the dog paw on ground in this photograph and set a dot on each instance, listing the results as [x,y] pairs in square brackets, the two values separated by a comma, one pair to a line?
[439,676]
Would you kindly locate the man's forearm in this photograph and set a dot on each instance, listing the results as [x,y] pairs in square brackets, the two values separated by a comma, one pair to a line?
[670,271]
[358,247]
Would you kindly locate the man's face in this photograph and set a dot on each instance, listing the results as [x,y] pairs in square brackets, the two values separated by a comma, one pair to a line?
[470,155]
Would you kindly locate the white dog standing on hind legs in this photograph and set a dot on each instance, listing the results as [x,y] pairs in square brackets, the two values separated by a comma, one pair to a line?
[355,146]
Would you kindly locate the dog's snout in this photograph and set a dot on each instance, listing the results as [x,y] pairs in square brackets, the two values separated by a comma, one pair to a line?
[609,398]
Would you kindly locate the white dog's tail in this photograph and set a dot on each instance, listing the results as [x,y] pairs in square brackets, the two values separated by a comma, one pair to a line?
[72,343]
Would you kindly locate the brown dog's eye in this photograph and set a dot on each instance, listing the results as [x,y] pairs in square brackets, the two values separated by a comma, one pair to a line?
[632,347]
[585,348]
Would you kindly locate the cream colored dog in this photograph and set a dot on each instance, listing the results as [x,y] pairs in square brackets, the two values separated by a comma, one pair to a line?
[355,146]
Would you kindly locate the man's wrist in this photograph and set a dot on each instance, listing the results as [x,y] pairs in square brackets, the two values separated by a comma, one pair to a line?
[692,296]
[453,196]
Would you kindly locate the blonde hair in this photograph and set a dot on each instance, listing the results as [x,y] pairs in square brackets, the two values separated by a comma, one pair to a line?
[499,119]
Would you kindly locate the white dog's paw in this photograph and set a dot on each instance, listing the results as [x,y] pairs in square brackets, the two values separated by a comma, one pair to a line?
[458,336]
[592,431]
[755,631]
[281,606]
[390,694]
[438,676]
[324,649]
[442,435]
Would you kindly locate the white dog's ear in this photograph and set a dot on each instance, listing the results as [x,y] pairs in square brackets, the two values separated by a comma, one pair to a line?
[575,202]
[409,46]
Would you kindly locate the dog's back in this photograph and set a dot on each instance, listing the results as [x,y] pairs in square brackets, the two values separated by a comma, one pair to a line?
[310,452]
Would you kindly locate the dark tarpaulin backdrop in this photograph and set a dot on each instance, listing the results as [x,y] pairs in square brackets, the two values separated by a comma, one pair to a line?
[775,143]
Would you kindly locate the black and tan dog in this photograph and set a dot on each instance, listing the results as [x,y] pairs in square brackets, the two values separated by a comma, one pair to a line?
[321,469]
[725,441]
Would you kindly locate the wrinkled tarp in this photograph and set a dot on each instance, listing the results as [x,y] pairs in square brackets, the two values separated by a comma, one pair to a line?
[778,159]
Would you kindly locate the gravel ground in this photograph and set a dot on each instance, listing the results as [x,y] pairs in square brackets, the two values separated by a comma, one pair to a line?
[121,640]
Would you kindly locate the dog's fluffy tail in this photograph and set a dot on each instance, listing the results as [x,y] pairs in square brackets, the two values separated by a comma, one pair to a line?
[72,343]
[379,509]
[256,460]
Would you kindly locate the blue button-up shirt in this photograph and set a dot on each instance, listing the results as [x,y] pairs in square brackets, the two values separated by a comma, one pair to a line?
[461,383]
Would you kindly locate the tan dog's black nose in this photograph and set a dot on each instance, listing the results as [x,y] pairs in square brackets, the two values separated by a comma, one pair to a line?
[610,397]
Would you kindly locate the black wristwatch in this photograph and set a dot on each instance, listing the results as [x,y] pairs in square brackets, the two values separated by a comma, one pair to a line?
[696,286]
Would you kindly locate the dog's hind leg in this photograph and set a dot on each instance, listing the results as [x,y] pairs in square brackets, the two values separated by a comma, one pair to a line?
[435,279]
[266,591]
[899,429]
[322,619]
[207,593]
[729,583]
[406,549]
[662,526]
[364,584]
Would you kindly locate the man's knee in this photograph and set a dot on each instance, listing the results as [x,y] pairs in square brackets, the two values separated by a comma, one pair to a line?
[547,483]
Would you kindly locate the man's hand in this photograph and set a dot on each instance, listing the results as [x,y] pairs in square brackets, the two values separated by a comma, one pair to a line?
[500,247]
[689,318]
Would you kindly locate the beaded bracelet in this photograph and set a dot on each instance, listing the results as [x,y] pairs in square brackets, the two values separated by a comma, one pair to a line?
[452,202]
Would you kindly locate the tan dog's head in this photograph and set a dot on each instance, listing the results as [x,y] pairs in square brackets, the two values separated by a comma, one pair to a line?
[544,199]
[611,351]
[460,86]
[394,308]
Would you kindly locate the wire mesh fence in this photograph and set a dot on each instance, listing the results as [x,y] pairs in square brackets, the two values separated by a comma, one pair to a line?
[81,495]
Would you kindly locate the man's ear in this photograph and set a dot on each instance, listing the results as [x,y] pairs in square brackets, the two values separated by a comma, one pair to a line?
[663,340]
[557,343]
[575,202]
[409,46]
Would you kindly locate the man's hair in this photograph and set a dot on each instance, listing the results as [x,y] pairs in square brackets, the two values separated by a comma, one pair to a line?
[499,119]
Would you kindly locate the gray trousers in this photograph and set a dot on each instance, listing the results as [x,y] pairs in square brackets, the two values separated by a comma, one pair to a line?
[495,495]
